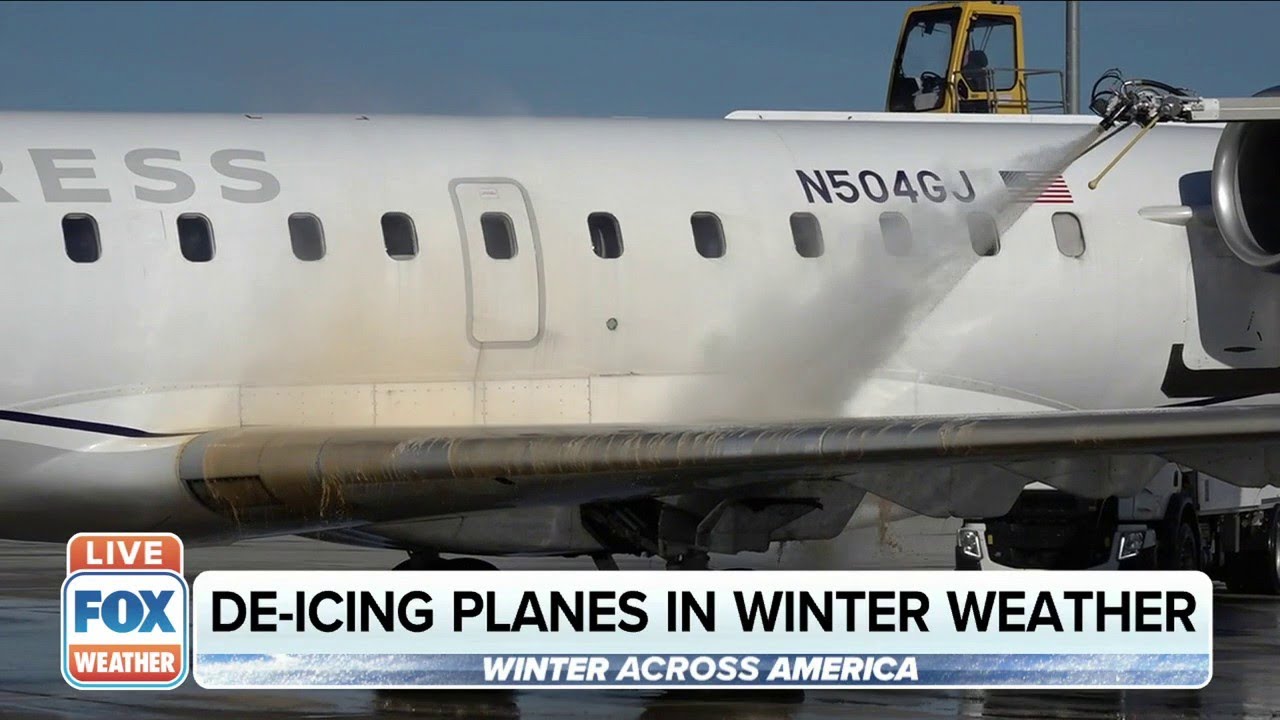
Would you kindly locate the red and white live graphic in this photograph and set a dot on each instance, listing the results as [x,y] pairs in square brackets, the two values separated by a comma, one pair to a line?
[124,612]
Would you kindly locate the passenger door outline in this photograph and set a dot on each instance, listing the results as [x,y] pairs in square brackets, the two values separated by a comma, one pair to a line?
[506,299]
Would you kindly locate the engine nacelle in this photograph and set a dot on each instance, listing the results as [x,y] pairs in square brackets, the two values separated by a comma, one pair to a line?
[1246,192]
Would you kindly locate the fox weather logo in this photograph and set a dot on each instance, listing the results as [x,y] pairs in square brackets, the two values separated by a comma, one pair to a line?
[124,612]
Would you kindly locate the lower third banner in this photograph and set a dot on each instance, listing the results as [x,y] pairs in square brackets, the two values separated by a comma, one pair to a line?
[831,629]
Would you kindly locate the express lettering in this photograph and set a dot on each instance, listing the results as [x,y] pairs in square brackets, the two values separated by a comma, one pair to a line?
[831,186]
[68,175]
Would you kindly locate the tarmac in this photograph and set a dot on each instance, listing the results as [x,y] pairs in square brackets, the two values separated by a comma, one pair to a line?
[1246,656]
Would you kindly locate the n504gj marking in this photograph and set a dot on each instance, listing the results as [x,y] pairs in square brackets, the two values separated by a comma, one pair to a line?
[844,185]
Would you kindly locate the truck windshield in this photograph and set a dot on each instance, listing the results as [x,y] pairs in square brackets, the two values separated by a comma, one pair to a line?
[920,70]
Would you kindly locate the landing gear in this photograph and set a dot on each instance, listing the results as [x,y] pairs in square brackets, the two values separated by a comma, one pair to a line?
[432,561]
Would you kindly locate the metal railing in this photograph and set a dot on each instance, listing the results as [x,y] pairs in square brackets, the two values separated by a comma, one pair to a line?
[1005,99]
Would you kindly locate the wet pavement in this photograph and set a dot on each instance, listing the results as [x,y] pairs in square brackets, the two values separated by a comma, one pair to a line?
[1246,667]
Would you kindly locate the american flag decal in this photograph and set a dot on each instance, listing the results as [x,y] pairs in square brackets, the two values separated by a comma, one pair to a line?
[1042,188]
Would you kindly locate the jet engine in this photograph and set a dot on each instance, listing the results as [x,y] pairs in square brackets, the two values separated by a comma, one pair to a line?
[1246,191]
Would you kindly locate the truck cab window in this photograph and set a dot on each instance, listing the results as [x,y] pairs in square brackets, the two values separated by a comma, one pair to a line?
[990,60]
[923,59]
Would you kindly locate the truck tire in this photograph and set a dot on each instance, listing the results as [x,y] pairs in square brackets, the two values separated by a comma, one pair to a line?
[1179,549]
[1268,570]
[1186,548]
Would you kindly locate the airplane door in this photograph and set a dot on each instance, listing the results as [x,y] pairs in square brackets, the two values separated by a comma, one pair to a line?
[503,261]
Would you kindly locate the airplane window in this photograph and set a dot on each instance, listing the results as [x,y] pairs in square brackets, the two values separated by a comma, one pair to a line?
[708,235]
[1069,234]
[897,233]
[195,237]
[983,234]
[80,237]
[307,236]
[499,235]
[606,236]
[399,236]
[807,235]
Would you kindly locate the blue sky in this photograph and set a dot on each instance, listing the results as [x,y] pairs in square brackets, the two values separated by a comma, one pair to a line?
[577,58]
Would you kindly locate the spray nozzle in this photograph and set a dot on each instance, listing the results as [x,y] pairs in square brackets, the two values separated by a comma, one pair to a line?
[1137,100]
[1122,102]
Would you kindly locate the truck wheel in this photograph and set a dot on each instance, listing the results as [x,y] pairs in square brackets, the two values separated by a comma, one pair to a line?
[1188,547]
[1182,550]
[1269,559]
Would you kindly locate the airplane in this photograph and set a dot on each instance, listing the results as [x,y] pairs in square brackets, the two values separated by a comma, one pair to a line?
[561,336]
[600,337]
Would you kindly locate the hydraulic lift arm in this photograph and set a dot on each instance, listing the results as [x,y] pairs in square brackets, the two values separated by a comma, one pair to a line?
[1198,110]
[1123,102]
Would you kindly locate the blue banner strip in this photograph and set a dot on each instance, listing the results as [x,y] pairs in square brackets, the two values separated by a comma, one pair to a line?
[832,671]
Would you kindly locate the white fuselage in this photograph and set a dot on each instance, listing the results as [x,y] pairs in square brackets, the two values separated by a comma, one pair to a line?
[145,339]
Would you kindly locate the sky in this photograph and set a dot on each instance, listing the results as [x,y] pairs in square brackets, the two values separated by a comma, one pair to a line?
[661,59]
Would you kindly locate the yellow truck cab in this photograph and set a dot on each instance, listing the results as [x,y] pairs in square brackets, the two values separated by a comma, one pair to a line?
[964,57]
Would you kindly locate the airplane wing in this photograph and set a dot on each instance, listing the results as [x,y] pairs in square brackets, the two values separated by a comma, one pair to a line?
[300,479]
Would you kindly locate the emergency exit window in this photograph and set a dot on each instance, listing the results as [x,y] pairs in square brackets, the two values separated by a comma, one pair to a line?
[1069,234]
[499,235]
[80,238]
[807,235]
